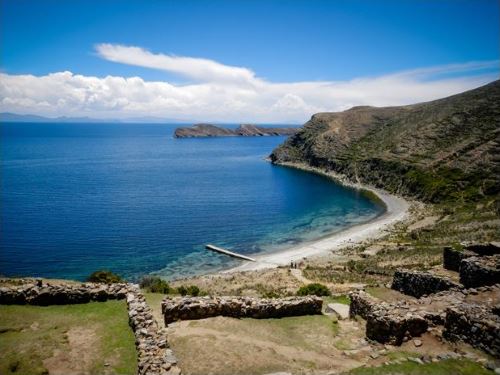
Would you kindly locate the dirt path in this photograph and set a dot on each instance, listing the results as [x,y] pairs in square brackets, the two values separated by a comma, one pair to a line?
[425,222]
[297,273]
[79,359]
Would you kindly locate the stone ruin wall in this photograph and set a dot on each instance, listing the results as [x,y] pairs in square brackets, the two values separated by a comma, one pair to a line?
[479,271]
[386,323]
[478,325]
[477,264]
[153,355]
[391,323]
[189,308]
[418,284]
[45,294]
[473,320]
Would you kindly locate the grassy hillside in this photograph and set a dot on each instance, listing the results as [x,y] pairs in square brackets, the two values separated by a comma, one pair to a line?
[444,150]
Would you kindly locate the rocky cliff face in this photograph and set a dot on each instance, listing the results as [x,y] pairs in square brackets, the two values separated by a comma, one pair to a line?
[246,130]
[435,151]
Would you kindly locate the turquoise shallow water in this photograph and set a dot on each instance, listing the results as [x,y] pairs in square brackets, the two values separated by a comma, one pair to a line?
[130,198]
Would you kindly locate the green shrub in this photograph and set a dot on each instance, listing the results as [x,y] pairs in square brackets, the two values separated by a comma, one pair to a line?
[270,294]
[314,289]
[154,284]
[191,290]
[104,276]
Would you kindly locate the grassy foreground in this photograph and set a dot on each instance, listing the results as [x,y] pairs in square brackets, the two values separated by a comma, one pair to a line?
[92,338]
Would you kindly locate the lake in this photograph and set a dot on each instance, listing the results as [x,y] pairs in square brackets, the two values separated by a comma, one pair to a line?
[130,198]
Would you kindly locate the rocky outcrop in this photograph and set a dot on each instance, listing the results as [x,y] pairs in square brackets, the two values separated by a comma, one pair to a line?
[247,130]
[189,308]
[478,325]
[153,355]
[202,130]
[480,271]
[434,151]
[418,284]
[44,294]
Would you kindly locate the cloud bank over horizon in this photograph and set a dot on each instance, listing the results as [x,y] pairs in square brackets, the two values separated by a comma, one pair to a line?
[218,92]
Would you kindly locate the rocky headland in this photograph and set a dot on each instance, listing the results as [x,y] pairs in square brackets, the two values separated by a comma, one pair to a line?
[443,150]
[245,130]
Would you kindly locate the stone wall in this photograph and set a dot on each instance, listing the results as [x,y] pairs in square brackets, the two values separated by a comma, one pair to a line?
[44,294]
[418,284]
[153,355]
[385,326]
[483,248]
[480,271]
[362,304]
[188,308]
[387,323]
[471,315]
[452,258]
[478,325]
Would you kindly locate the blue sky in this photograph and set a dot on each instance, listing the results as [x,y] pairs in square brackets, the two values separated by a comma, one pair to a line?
[277,41]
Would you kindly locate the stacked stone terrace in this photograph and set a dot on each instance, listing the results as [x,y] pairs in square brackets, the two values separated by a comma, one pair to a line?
[36,292]
[189,308]
[153,353]
[467,311]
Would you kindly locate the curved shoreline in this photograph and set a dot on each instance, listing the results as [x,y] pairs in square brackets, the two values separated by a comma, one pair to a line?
[396,211]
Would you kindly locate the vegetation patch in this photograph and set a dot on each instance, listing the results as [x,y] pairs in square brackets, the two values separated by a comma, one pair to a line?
[105,277]
[315,289]
[155,284]
[34,338]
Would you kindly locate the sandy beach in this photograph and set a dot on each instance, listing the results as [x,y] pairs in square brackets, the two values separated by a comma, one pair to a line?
[396,210]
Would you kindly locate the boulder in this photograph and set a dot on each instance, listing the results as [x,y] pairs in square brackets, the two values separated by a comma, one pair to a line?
[340,310]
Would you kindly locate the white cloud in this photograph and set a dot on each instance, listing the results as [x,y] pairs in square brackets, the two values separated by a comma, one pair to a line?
[223,93]
[196,68]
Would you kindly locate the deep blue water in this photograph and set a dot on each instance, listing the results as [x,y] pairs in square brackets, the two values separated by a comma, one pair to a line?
[130,198]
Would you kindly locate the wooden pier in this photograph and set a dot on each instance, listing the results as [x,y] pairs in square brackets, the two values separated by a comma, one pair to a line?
[230,253]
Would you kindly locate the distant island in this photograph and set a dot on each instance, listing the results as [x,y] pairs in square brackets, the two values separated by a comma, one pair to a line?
[14,117]
[245,130]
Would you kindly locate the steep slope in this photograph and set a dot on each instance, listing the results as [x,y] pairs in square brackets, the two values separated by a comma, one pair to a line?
[440,150]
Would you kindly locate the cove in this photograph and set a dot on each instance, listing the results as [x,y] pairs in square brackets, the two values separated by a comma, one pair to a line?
[132,199]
